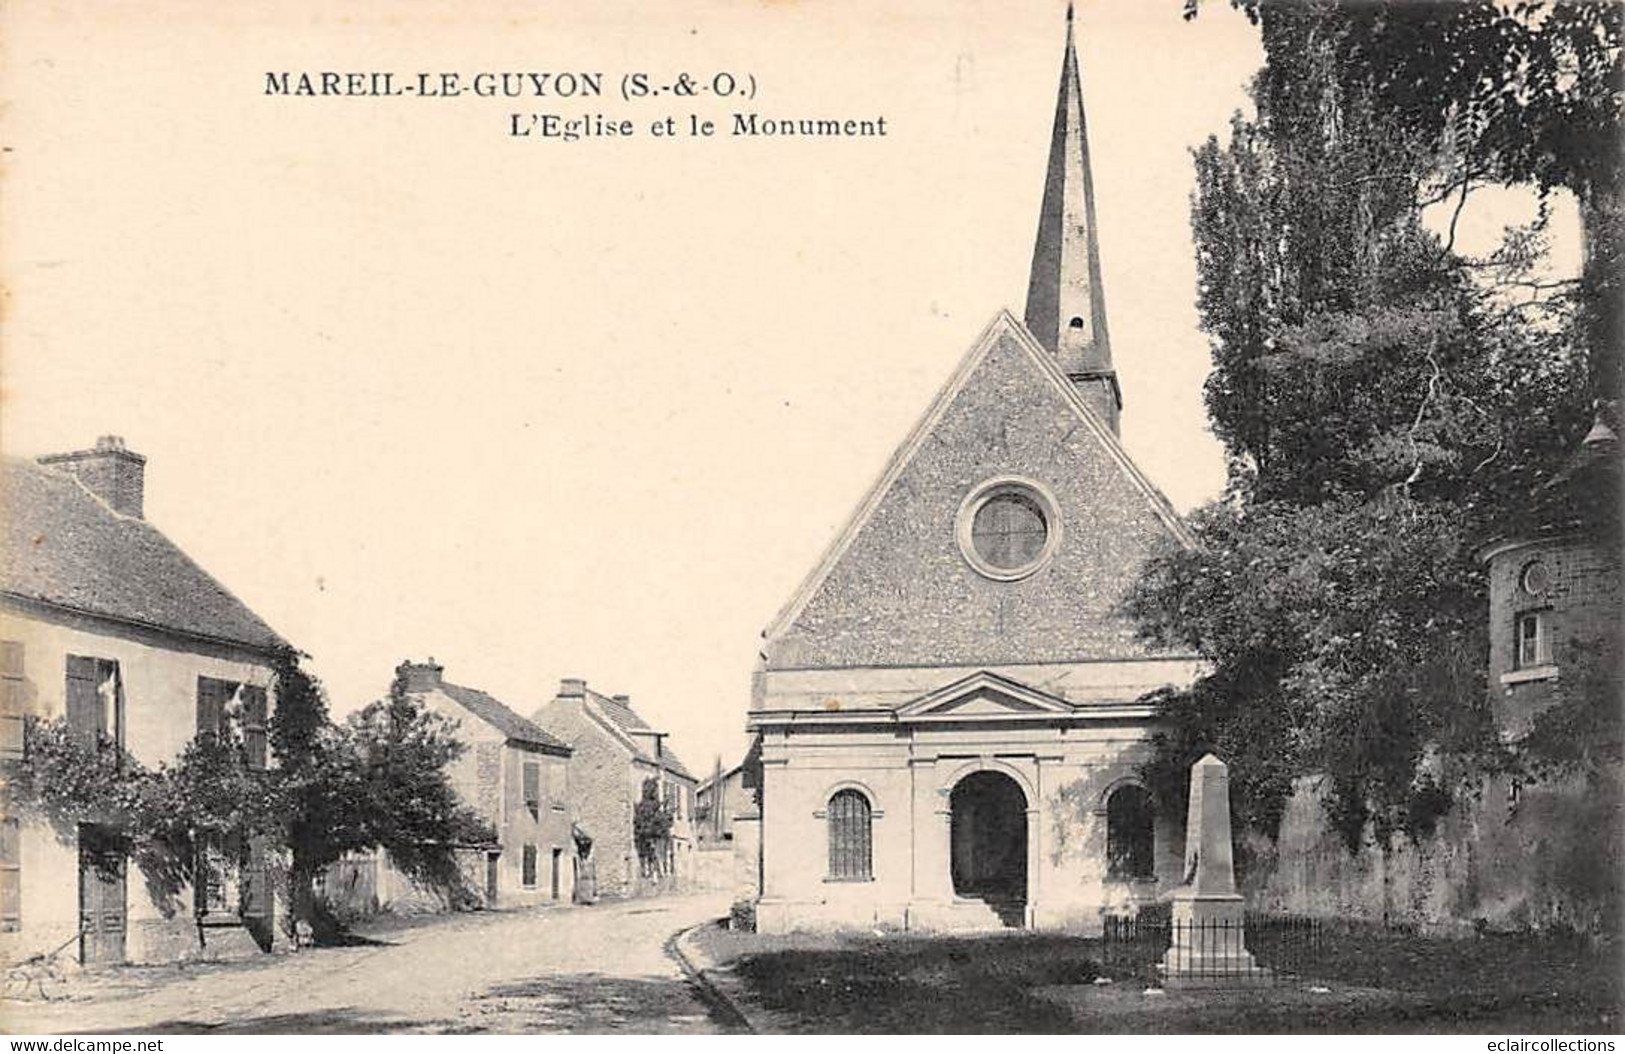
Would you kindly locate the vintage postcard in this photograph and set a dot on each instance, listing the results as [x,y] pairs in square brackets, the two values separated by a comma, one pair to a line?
[784,517]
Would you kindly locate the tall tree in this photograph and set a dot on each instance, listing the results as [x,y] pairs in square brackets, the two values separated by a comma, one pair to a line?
[1380,408]
[1525,92]
[377,781]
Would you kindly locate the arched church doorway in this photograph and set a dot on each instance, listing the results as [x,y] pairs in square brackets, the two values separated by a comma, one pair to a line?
[989,842]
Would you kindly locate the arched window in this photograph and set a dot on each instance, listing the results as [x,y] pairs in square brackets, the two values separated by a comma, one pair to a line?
[850,850]
[1130,834]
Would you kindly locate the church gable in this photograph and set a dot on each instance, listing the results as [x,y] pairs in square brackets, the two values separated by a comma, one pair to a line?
[919,577]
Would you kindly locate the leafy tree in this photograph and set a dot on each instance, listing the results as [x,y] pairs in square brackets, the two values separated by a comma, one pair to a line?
[320,786]
[651,827]
[378,781]
[1382,409]
[1528,92]
[162,818]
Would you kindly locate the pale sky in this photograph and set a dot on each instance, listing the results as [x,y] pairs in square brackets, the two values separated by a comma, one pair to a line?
[412,387]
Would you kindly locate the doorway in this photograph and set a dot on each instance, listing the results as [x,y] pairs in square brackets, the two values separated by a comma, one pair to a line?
[988,843]
[102,917]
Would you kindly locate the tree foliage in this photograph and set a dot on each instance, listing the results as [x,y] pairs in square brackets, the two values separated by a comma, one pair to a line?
[376,781]
[652,819]
[1527,92]
[1383,409]
[162,818]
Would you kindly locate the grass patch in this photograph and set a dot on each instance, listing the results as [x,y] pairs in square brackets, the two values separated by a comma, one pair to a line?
[1378,981]
[905,984]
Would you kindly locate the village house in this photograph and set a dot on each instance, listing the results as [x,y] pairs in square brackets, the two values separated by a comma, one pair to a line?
[106,623]
[717,800]
[516,776]
[952,711]
[616,754]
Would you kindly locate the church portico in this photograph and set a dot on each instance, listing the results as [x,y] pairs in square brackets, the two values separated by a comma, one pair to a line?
[952,710]
[980,814]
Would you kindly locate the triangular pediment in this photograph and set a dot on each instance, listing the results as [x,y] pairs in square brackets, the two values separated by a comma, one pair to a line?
[898,569]
[984,695]
[1037,369]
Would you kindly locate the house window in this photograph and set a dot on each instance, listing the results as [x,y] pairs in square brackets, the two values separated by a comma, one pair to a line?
[1535,578]
[851,853]
[1532,643]
[527,867]
[11,876]
[234,710]
[95,701]
[532,780]
[1130,834]
[554,773]
[13,698]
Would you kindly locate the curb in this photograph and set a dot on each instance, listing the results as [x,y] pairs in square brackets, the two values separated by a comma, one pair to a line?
[681,949]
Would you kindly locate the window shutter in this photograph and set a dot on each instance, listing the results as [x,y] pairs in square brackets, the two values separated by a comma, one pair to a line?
[13,698]
[254,725]
[11,876]
[528,866]
[83,702]
[211,704]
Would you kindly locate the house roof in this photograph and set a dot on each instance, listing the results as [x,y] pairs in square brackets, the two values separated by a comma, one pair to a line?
[65,547]
[497,714]
[629,723]
[727,774]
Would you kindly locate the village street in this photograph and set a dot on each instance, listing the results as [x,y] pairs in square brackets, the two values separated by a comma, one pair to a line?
[580,969]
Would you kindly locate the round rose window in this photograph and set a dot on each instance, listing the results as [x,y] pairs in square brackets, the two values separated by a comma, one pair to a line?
[1008,528]
[1008,531]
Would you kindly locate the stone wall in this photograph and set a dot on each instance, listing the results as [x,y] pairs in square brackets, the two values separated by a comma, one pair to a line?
[1537,857]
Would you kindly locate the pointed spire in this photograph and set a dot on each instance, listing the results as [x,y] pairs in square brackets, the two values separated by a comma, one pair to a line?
[1066,305]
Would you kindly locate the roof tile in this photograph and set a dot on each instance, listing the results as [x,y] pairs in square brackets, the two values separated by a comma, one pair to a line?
[63,546]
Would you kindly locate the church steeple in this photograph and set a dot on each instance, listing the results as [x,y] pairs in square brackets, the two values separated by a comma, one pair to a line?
[1066,306]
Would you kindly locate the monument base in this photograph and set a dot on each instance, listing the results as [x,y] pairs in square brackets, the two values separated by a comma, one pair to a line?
[1208,946]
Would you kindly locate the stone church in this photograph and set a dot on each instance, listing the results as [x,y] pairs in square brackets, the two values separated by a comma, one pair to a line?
[950,711]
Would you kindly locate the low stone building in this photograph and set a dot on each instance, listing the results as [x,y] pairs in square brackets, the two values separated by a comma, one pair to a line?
[616,753]
[105,622]
[517,777]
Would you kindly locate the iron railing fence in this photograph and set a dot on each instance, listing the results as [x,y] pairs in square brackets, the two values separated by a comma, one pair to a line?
[1259,948]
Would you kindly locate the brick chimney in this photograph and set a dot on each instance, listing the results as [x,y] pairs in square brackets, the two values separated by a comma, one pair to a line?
[572,688]
[111,472]
[422,676]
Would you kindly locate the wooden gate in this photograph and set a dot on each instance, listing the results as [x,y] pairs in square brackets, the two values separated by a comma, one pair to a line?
[102,916]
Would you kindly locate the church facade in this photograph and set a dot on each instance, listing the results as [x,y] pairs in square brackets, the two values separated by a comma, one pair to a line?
[951,710]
